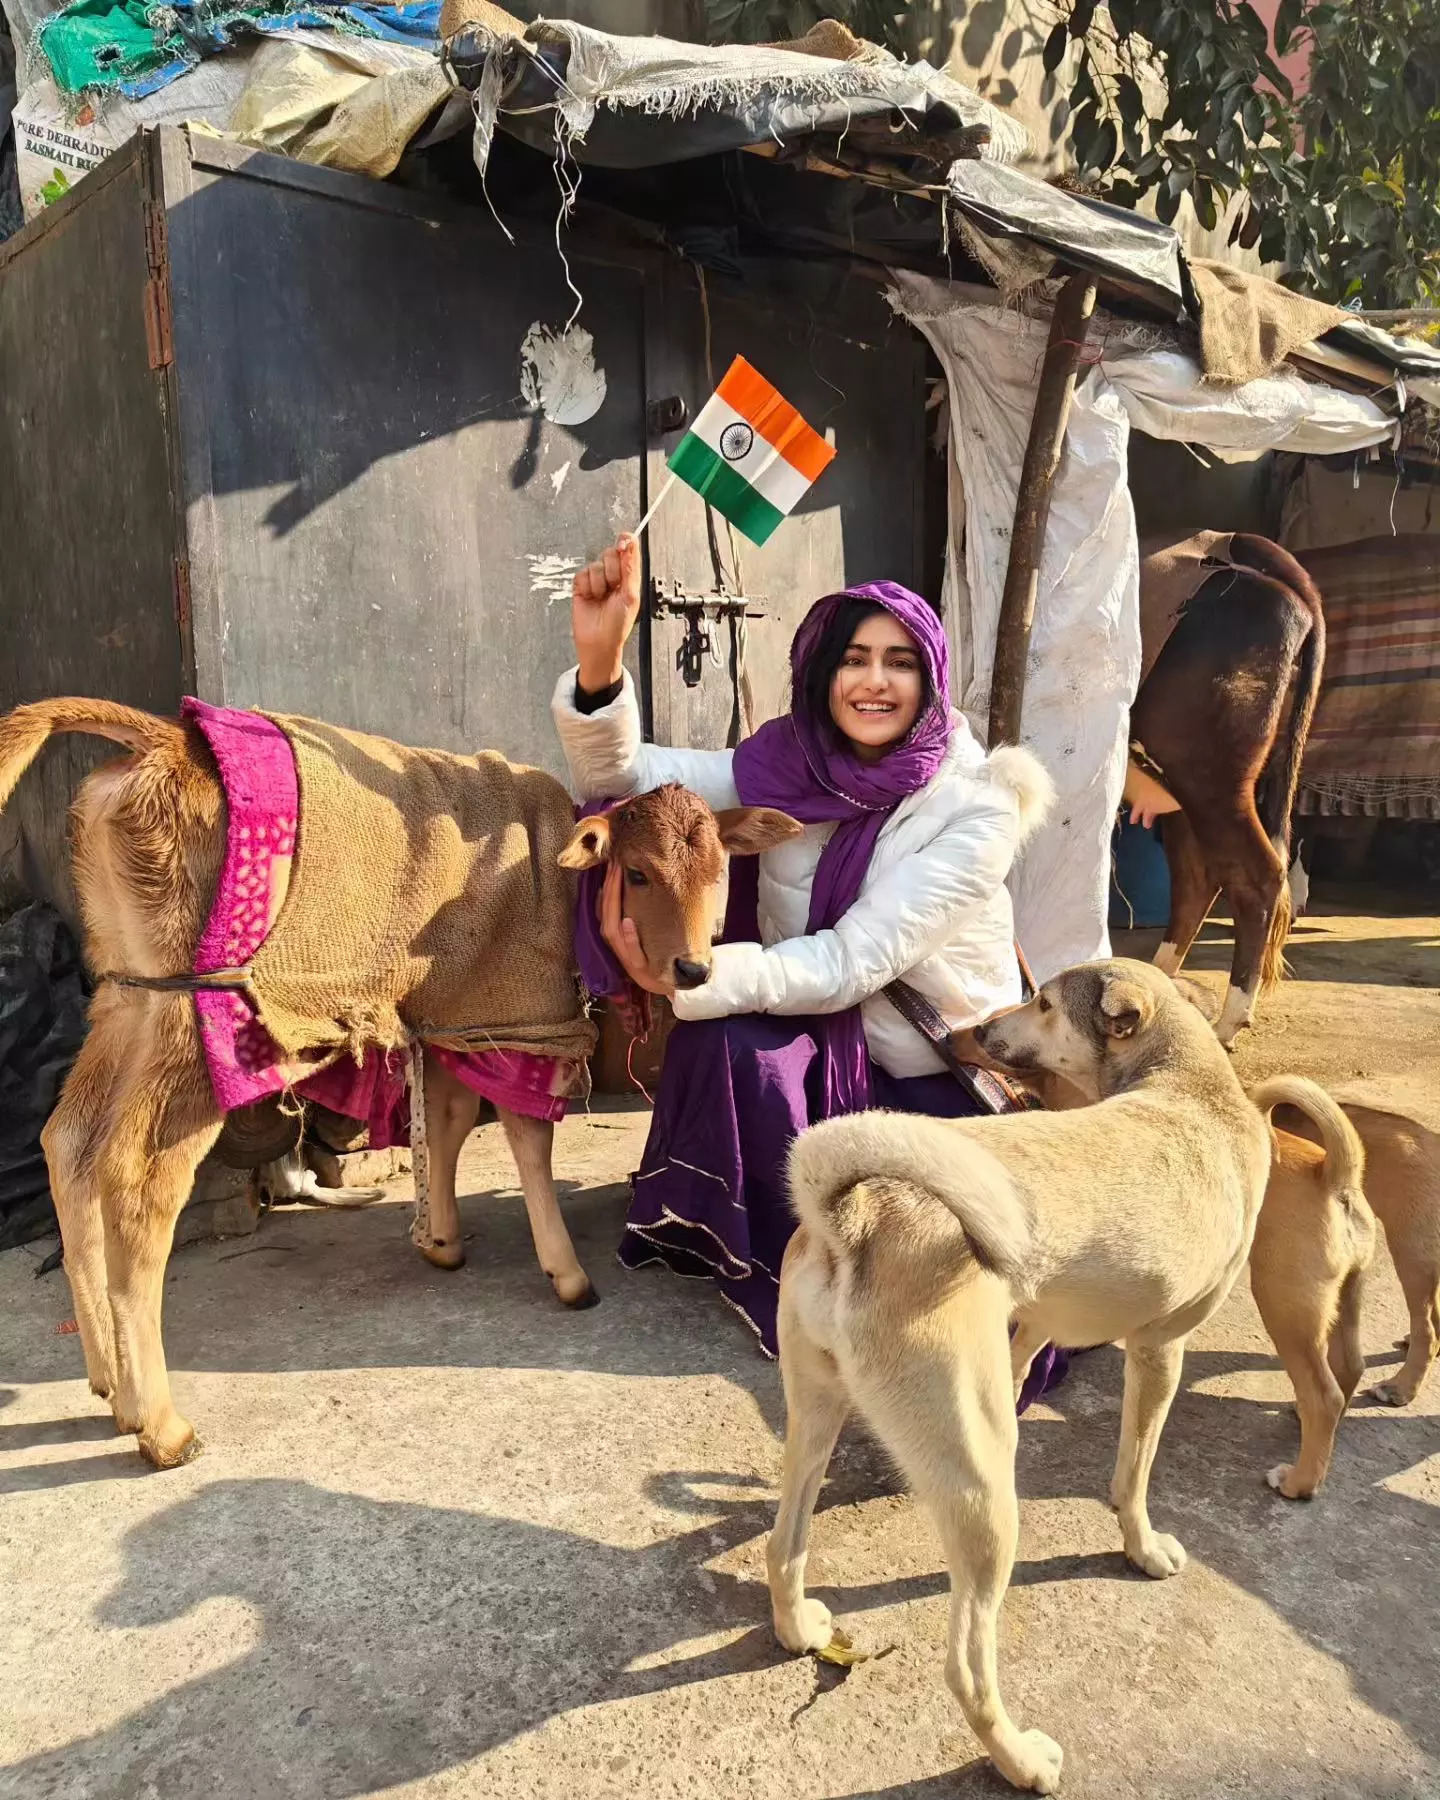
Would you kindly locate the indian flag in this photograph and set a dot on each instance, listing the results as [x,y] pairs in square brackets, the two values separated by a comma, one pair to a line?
[749,453]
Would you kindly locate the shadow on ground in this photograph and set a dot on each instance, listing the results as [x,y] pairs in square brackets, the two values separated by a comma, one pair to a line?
[396,1640]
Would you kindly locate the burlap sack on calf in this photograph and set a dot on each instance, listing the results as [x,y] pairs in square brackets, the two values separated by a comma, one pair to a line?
[425,899]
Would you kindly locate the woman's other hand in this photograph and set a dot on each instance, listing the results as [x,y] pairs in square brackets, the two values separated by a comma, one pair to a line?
[620,933]
[605,602]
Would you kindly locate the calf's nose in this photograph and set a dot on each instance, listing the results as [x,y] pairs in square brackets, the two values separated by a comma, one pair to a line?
[691,974]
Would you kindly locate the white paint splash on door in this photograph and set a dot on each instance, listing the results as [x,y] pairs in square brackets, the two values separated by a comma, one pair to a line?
[558,376]
[552,576]
[557,476]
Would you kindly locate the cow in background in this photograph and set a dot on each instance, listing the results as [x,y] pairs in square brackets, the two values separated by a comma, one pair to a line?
[1231,677]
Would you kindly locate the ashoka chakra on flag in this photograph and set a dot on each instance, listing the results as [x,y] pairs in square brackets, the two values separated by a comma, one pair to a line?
[749,453]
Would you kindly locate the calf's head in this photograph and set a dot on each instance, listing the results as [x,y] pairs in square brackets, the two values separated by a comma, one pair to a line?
[675,853]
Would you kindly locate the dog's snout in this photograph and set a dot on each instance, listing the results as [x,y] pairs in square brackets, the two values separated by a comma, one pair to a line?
[690,974]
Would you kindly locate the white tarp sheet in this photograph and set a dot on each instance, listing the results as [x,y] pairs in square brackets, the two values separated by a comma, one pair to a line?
[1084,659]
[660,75]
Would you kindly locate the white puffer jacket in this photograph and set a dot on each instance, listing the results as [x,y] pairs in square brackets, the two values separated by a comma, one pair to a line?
[933,907]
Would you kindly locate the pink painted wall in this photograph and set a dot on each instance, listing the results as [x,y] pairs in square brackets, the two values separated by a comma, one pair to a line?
[1296,63]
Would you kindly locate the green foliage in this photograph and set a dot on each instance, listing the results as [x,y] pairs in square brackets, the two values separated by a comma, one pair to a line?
[1342,182]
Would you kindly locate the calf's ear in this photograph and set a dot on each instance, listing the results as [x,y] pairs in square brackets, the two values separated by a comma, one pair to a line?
[589,844]
[747,830]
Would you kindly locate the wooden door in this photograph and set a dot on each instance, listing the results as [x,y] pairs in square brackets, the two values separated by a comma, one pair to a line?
[828,341]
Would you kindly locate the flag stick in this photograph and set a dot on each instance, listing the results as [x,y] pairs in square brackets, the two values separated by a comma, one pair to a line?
[654,505]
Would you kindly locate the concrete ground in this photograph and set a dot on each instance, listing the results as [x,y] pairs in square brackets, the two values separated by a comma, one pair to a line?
[449,1539]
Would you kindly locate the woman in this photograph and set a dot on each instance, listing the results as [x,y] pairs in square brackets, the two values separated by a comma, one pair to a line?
[910,831]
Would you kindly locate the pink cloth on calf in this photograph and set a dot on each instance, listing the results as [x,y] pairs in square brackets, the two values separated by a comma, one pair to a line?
[257,772]
[375,1090]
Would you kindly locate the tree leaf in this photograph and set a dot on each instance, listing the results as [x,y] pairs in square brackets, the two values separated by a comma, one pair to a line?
[1102,151]
[1129,101]
[1082,17]
[1287,17]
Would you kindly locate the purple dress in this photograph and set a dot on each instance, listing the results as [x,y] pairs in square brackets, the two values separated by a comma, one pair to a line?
[709,1198]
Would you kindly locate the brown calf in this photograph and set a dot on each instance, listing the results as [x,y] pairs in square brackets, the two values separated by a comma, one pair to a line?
[138,1112]
[1224,713]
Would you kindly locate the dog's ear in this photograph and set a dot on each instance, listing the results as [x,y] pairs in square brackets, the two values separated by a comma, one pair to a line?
[589,844]
[1202,997]
[1125,1007]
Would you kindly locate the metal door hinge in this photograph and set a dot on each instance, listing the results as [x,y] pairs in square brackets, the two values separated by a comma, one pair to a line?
[157,247]
[700,612]
[159,342]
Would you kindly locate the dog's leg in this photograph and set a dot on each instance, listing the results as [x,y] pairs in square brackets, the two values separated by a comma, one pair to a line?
[1023,1348]
[958,1450]
[1152,1374]
[1421,1285]
[815,1409]
[1347,1353]
[1320,1404]
[532,1144]
[979,1523]
[163,1127]
[451,1110]
[71,1138]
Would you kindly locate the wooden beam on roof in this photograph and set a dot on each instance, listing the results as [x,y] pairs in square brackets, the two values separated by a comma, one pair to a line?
[1069,326]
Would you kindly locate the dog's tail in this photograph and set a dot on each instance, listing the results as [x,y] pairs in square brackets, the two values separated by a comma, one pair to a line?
[24,732]
[1344,1152]
[830,1164]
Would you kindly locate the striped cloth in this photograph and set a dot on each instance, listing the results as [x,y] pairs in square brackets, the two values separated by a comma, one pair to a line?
[1374,747]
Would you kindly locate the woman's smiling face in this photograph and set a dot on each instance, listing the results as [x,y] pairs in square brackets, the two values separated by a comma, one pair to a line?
[875,693]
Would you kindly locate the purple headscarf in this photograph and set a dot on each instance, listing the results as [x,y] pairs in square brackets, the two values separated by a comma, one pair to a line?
[795,764]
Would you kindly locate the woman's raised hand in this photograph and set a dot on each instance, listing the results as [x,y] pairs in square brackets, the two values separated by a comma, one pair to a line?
[605,602]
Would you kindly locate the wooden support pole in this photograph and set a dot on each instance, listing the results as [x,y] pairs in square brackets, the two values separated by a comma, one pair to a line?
[1043,450]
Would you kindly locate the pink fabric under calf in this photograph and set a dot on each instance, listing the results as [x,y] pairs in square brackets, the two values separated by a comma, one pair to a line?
[257,772]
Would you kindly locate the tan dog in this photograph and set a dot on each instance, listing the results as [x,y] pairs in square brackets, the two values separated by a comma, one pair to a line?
[1315,1238]
[1402,1184]
[1313,1243]
[920,1239]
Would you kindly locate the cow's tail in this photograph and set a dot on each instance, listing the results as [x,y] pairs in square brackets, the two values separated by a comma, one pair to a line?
[1276,790]
[1275,800]
[24,732]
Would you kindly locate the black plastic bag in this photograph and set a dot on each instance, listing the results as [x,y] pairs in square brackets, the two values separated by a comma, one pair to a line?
[44,995]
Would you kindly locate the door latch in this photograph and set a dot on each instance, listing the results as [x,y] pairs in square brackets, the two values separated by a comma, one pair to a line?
[667,415]
[700,612]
